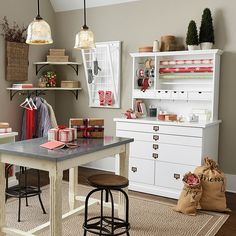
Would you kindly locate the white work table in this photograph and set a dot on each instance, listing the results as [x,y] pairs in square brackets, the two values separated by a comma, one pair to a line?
[29,154]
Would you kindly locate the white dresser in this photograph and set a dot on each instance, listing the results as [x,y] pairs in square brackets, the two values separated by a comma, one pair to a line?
[164,151]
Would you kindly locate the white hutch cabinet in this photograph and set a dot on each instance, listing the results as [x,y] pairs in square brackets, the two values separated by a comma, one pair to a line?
[164,151]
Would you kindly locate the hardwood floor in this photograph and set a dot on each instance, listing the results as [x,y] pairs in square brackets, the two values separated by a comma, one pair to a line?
[228,229]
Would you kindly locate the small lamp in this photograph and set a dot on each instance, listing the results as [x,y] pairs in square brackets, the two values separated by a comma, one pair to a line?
[39,32]
[85,38]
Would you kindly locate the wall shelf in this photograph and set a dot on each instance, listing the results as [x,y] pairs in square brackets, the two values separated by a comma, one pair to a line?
[73,65]
[40,91]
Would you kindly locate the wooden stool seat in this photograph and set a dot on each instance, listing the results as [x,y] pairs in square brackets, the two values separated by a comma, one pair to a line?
[108,181]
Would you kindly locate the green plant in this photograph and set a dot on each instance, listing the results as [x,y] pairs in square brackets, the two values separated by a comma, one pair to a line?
[14,33]
[192,35]
[206,29]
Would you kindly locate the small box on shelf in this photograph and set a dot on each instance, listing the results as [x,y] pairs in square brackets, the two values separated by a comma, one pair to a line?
[57,52]
[70,84]
[57,58]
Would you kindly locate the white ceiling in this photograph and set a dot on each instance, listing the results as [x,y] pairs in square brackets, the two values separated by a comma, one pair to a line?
[68,5]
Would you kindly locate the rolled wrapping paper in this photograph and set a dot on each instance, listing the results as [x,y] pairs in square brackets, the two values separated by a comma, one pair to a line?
[187,62]
[186,70]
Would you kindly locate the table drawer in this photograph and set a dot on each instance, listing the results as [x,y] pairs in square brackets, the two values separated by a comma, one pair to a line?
[180,154]
[162,129]
[141,171]
[171,175]
[160,138]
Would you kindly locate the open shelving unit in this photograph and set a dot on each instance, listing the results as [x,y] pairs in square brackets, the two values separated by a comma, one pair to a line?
[40,91]
[182,80]
[73,65]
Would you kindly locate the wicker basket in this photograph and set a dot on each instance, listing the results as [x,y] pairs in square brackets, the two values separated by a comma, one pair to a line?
[17,61]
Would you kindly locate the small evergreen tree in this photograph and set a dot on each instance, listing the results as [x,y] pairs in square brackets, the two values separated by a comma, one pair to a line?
[192,35]
[206,29]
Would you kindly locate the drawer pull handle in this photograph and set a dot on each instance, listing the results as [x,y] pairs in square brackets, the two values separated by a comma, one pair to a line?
[155,128]
[155,155]
[155,146]
[155,137]
[177,176]
[134,169]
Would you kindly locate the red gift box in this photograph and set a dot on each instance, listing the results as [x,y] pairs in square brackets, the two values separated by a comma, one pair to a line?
[63,134]
[88,128]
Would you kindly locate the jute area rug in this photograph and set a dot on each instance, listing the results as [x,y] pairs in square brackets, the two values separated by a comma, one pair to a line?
[147,217]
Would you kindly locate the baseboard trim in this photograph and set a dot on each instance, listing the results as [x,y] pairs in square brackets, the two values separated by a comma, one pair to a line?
[231,180]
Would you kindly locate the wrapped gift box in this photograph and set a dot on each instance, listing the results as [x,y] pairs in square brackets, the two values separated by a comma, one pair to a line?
[88,128]
[62,134]
[5,130]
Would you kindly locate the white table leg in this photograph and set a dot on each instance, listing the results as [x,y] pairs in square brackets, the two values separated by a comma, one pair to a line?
[73,188]
[124,171]
[2,197]
[55,203]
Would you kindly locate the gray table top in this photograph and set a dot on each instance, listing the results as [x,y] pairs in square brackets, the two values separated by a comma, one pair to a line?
[31,148]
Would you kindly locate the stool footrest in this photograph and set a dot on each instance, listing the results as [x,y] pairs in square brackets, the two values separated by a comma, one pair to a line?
[95,228]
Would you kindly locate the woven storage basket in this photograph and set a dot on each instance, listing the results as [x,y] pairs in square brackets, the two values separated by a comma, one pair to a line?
[17,61]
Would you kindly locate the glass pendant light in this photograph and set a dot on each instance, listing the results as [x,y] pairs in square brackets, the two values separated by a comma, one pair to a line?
[85,38]
[39,32]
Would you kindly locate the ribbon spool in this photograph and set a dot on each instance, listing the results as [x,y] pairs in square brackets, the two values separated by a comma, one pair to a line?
[140,73]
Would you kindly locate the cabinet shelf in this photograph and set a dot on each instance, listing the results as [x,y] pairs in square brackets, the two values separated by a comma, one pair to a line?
[73,65]
[40,91]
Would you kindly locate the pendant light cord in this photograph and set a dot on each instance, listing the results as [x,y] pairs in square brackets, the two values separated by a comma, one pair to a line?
[38,17]
[85,25]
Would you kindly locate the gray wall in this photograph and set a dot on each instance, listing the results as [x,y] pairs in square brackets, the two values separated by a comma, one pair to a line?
[23,12]
[138,24]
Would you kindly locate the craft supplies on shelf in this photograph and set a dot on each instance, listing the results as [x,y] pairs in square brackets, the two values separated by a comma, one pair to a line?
[186,70]
[88,127]
[180,81]
[102,70]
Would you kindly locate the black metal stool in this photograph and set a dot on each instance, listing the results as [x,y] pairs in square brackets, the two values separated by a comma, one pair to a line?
[22,190]
[107,225]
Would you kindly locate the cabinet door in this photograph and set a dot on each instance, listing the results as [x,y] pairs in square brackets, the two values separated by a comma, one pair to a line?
[141,171]
[170,175]
[180,154]
[142,149]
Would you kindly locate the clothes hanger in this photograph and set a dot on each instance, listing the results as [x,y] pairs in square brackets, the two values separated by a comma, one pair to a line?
[32,103]
[26,104]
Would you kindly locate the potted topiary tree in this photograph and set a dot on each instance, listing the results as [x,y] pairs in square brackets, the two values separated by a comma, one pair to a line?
[192,36]
[206,35]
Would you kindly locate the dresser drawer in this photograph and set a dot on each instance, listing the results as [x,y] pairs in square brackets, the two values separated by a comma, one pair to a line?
[160,138]
[160,129]
[142,149]
[171,175]
[141,171]
[180,154]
